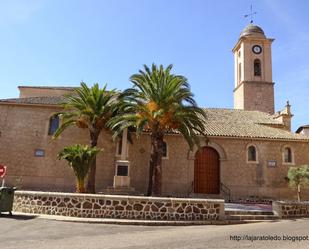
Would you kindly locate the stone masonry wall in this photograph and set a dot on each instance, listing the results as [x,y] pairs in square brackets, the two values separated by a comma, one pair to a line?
[122,207]
[19,141]
[291,209]
[244,179]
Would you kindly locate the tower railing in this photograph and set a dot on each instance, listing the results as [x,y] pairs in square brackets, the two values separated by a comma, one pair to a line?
[225,191]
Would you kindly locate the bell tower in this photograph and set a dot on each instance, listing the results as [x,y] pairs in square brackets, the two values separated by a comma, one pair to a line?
[254,87]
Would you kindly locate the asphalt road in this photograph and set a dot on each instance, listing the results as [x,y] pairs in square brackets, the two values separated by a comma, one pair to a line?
[35,233]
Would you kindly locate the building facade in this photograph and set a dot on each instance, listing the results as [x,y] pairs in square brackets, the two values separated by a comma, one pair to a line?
[248,152]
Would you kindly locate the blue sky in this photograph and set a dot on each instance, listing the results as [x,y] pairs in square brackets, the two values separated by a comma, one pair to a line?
[60,43]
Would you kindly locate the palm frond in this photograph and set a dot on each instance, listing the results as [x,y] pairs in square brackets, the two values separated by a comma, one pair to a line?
[160,99]
[93,106]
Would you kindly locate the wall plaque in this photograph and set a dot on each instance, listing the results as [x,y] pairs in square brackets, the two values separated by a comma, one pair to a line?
[39,153]
[272,163]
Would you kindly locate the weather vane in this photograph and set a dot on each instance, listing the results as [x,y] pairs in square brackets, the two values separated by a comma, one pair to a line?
[251,14]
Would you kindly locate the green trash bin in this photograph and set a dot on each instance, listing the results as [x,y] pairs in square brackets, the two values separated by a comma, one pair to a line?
[6,199]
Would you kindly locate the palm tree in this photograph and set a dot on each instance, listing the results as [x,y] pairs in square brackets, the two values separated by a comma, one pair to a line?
[88,108]
[299,176]
[79,158]
[158,102]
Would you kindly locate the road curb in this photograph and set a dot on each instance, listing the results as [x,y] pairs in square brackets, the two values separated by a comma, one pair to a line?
[133,222]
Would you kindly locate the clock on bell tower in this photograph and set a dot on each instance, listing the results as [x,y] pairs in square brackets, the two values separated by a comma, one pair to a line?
[254,88]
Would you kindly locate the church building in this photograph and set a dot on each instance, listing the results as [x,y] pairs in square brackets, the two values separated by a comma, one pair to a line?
[248,152]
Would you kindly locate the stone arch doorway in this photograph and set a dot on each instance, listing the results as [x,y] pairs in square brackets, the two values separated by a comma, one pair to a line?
[207,171]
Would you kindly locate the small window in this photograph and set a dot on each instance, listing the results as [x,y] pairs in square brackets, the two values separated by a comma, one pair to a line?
[252,155]
[257,67]
[165,152]
[53,125]
[239,72]
[288,158]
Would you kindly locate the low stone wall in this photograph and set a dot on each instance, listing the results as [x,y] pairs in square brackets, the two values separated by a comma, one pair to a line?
[117,206]
[291,209]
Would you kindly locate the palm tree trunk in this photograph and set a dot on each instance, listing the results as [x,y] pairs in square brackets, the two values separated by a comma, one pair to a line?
[80,186]
[298,192]
[91,178]
[156,164]
[150,182]
[94,134]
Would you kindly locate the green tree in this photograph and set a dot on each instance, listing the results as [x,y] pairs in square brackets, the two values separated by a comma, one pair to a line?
[298,177]
[79,158]
[88,108]
[159,102]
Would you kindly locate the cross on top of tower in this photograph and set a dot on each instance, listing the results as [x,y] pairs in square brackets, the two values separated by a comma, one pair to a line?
[251,14]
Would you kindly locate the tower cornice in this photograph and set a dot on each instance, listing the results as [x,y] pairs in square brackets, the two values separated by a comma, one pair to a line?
[245,38]
[253,82]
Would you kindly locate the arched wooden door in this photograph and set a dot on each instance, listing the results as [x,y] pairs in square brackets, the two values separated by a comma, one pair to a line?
[207,171]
